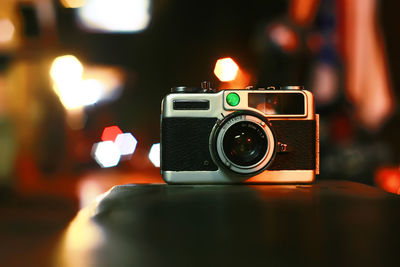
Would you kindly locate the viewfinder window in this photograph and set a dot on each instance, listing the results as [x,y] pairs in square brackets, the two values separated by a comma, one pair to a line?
[278,103]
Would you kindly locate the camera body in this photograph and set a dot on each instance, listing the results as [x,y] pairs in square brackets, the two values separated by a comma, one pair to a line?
[239,136]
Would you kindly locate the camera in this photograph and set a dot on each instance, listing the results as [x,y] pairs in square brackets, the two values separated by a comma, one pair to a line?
[262,135]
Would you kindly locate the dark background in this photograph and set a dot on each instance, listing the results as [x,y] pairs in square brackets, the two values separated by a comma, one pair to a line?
[50,172]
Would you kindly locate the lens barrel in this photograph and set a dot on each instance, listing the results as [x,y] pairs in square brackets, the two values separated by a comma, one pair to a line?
[245,143]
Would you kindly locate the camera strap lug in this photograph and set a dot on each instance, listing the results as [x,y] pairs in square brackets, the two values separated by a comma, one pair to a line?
[282,148]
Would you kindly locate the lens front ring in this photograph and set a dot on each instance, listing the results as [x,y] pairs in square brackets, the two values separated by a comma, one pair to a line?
[245,158]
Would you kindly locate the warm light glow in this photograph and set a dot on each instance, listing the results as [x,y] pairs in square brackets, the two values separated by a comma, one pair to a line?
[284,37]
[388,178]
[73,3]
[106,154]
[82,235]
[66,69]
[226,69]
[110,77]
[89,191]
[77,86]
[126,143]
[367,79]
[116,15]
[303,11]
[76,94]
[6,30]
[241,80]
[110,133]
[76,118]
[154,154]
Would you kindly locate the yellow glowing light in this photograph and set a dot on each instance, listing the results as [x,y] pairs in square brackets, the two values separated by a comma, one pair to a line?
[66,69]
[78,86]
[226,69]
[76,94]
[6,30]
[73,3]
[82,235]
[116,15]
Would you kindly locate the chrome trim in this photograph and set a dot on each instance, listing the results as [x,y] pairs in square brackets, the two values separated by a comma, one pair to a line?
[218,104]
[244,102]
[217,110]
[222,177]
[216,107]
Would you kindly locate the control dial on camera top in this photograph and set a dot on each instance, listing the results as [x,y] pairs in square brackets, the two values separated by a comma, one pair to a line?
[184,89]
[205,88]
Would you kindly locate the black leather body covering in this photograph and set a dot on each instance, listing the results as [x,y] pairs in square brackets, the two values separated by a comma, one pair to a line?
[299,135]
[185,144]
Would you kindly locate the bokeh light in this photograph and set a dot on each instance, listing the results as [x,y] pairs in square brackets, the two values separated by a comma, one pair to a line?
[226,69]
[7,30]
[110,133]
[92,92]
[388,178]
[154,154]
[66,69]
[115,16]
[73,3]
[126,143]
[284,37]
[110,78]
[78,86]
[76,94]
[106,154]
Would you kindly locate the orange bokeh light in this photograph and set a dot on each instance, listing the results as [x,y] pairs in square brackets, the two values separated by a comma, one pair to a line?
[110,133]
[226,69]
[303,11]
[388,178]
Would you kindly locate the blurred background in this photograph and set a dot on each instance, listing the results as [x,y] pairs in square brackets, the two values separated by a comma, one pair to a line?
[81,82]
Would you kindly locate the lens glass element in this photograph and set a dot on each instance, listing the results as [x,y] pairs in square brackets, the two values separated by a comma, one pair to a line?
[245,143]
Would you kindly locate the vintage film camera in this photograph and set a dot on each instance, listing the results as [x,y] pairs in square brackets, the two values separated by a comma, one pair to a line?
[239,136]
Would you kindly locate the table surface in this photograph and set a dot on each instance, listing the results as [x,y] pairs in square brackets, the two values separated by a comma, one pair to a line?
[329,223]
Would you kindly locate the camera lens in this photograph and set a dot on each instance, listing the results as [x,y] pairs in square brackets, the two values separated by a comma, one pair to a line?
[245,143]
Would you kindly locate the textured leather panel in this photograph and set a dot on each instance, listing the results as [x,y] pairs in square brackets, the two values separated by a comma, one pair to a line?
[184,144]
[299,135]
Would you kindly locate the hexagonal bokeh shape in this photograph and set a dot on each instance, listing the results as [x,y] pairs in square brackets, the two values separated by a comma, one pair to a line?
[126,143]
[154,154]
[110,133]
[106,154]
[226,69]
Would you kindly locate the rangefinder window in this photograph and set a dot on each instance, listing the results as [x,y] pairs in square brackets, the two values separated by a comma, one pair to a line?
[278,103]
